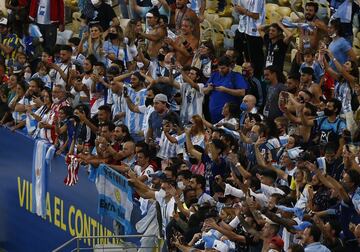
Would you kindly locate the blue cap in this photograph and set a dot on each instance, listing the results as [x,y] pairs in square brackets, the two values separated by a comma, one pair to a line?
[159,175]
[302,226]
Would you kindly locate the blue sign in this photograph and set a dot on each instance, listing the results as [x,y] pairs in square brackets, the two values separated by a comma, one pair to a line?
[70,211]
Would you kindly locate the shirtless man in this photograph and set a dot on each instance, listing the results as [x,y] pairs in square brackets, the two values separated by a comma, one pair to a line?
[311,38]
[185,44]
[183,12]
[155,34]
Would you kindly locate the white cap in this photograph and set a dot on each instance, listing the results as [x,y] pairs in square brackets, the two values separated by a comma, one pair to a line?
[3,21]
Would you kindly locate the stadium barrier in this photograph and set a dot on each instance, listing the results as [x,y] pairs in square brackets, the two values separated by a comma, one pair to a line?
[71,211]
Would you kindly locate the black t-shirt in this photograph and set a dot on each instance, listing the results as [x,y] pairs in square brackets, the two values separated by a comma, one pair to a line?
[105,15]
[275,53]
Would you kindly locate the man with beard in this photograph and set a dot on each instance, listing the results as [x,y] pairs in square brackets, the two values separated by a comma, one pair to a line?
[330,126]
[311,38]
[183,12]
[154,34]
[59,72]
[224,86]
[275,87]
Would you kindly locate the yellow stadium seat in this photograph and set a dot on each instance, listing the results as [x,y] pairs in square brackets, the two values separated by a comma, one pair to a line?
[284,11]
[225,22]
[218,35]
[283,2]
[294,17]
[76,21]
[211,6]
[269,9]
[205,30]
[274,17]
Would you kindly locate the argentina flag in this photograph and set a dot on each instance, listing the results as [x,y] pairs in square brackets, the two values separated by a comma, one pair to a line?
[115,197]
[42,155]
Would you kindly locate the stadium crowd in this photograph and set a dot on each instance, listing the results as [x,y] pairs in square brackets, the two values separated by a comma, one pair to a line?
[228,149]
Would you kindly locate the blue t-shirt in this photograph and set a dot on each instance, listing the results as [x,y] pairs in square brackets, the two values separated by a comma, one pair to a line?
[318,71]
[340,48]
[218,99]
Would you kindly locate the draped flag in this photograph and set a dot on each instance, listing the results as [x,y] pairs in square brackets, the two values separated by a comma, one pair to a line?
[42,155]
[115,196]
[73,168]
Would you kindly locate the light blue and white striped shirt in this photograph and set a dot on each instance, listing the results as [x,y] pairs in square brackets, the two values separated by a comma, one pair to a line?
[167,149]
[192,102]
[134,121]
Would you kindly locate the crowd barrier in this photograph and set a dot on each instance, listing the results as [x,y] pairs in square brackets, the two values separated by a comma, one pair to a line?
[70,210]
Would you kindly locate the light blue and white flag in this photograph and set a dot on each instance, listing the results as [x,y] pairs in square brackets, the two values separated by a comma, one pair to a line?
[289,24]
[42,155]
[344,12]
[115,196]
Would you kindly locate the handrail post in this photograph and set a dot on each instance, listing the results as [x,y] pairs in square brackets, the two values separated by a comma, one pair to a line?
[77,244]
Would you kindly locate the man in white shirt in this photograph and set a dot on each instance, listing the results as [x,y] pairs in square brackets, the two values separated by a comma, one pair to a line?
[60,72]
[255,16]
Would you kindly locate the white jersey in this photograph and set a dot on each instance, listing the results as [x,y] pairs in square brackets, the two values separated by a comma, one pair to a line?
[192,101]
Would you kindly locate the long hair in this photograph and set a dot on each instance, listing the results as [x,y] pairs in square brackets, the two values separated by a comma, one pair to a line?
[130,30]
[91,42]
[198,125]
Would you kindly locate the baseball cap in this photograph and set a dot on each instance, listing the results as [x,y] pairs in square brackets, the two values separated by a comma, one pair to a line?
[277,241]
[302,226]
[3,21]
[17,68]
[161,98]
[159,175]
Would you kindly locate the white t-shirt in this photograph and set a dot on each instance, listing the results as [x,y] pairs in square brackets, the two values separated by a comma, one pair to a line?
[56,76]
[167,208]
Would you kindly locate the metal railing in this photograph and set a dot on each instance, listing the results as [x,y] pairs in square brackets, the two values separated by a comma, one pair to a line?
[103,246]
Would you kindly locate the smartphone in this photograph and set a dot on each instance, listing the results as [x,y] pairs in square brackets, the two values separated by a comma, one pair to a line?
[95,71]
[73,67]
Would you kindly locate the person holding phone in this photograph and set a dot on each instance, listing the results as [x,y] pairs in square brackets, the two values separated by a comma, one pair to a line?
[185,44]
[224,86]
